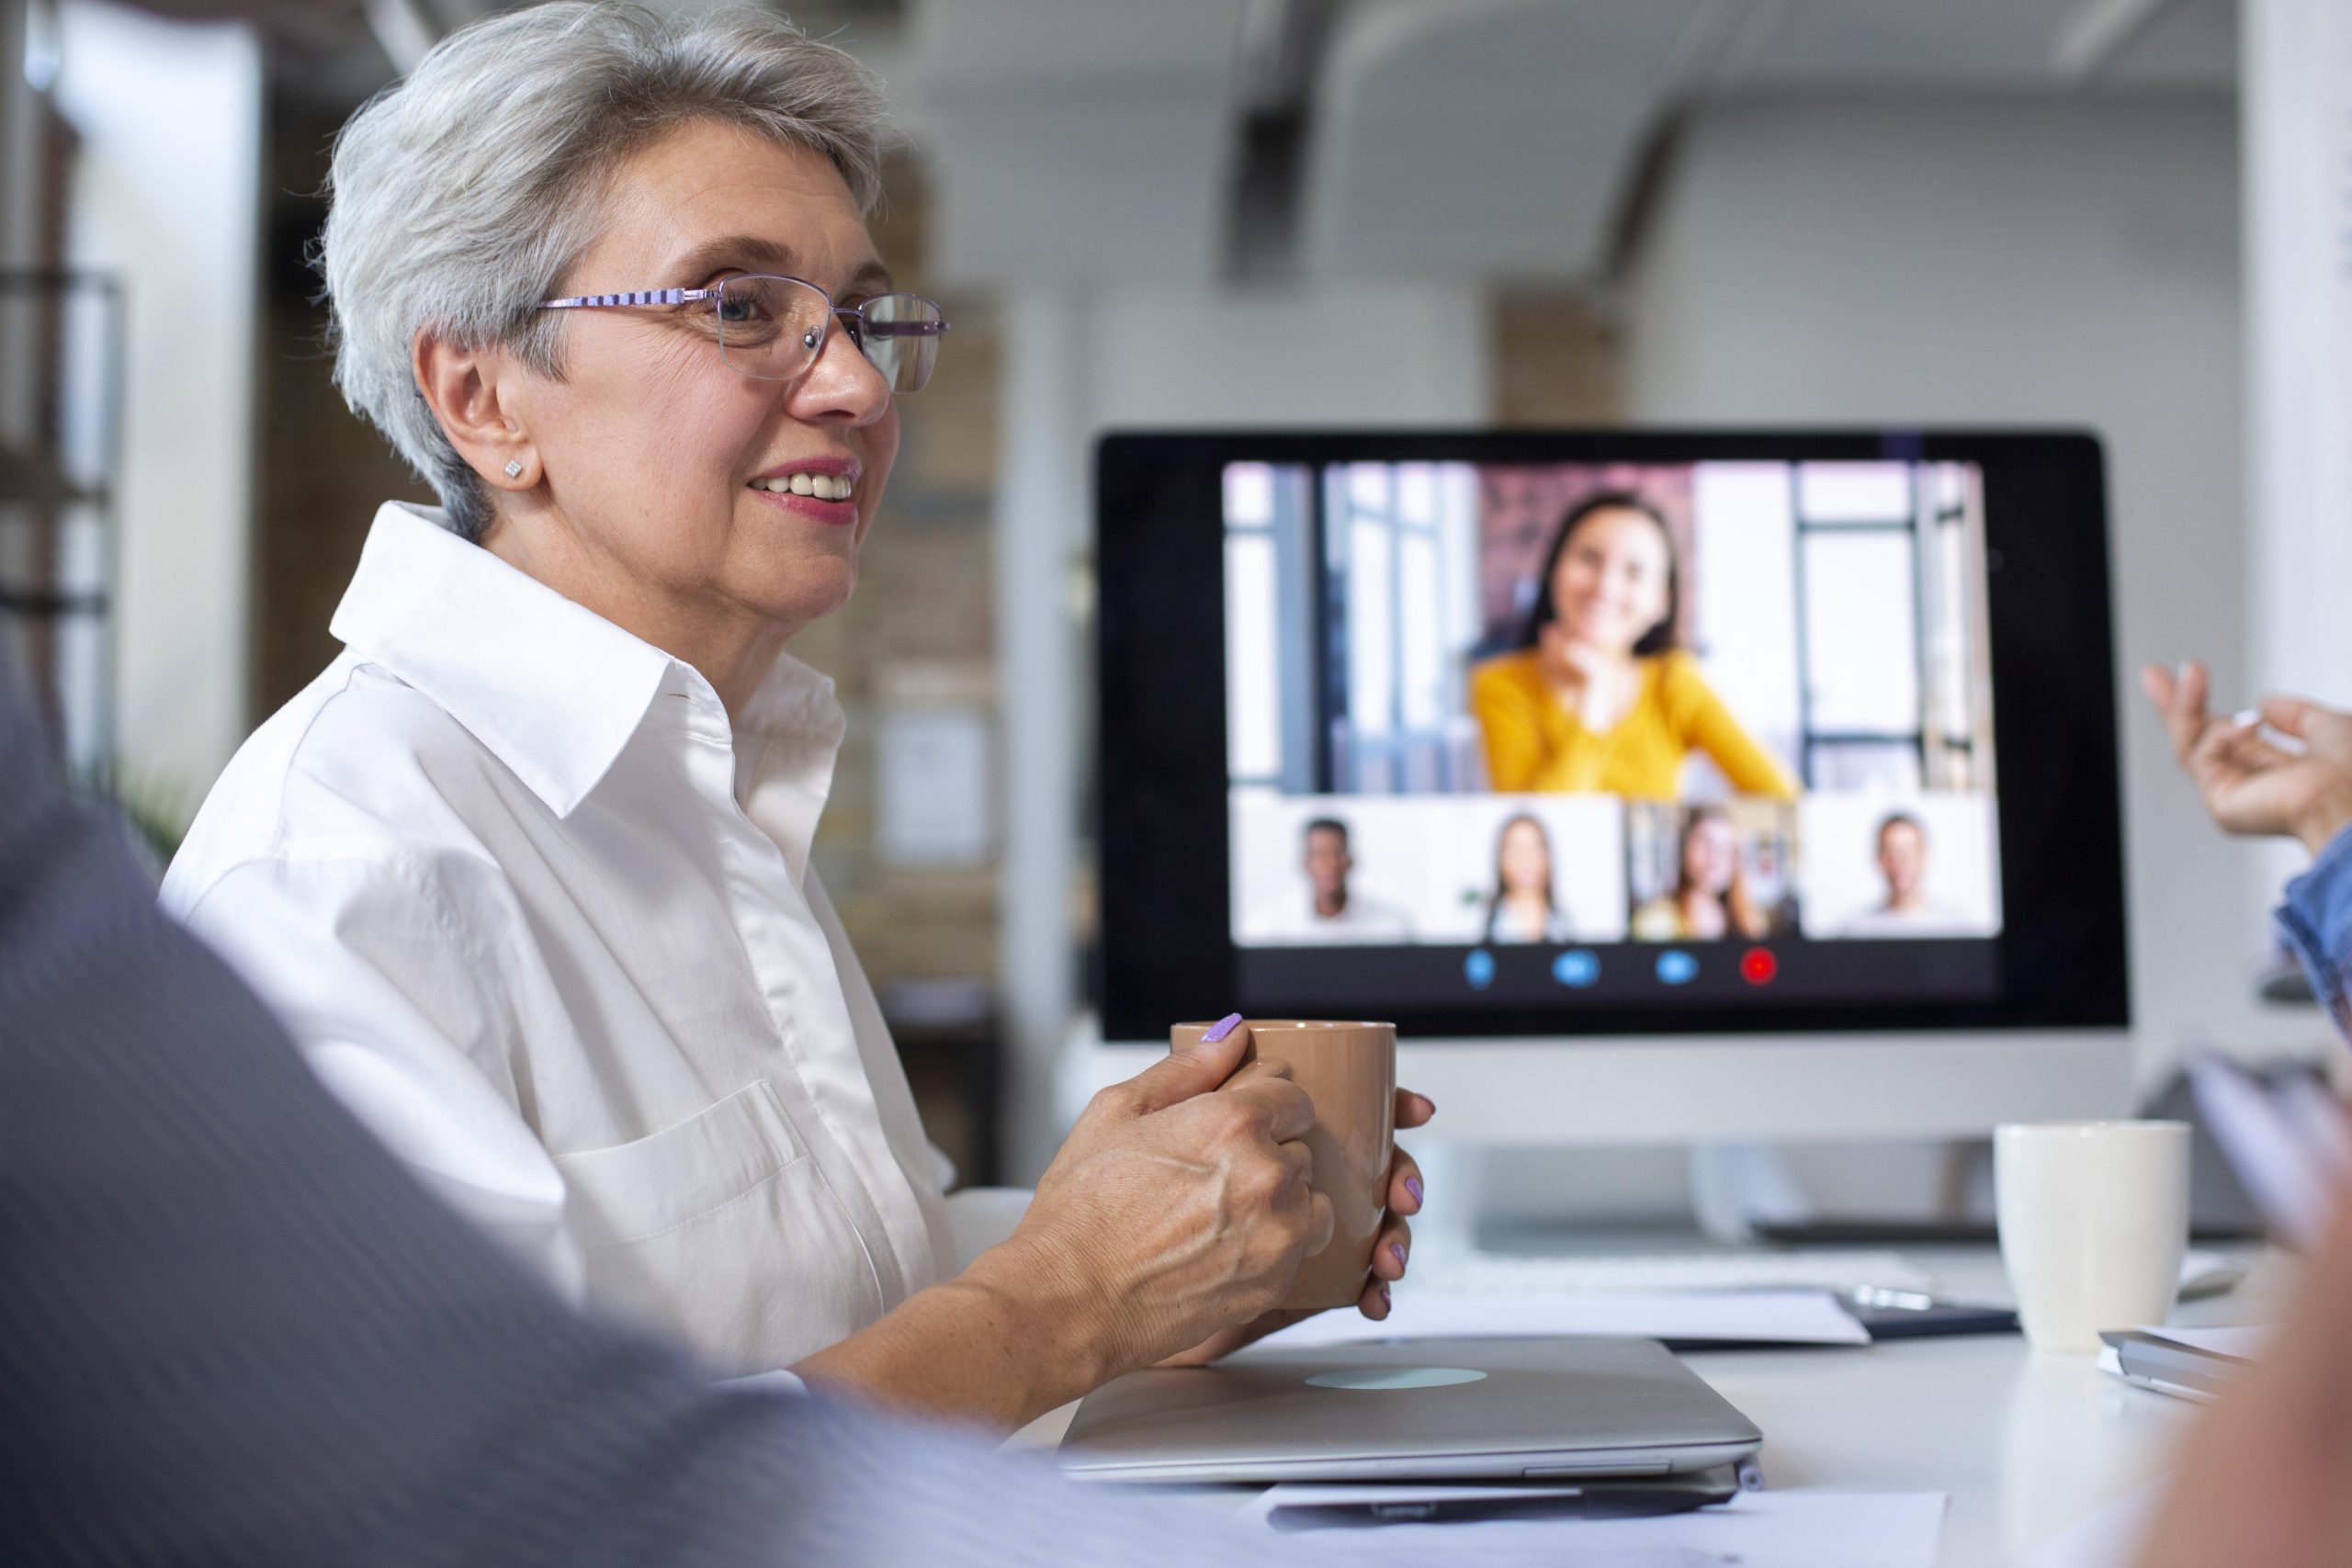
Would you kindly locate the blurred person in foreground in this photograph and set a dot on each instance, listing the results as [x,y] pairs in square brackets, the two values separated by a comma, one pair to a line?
[2266,1478]
[234,1330]
[526,869]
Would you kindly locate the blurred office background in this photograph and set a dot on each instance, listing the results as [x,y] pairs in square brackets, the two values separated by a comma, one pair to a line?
[2104,213]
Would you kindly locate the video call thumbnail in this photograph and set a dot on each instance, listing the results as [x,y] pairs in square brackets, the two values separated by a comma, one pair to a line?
[1720,701]
[1585,869]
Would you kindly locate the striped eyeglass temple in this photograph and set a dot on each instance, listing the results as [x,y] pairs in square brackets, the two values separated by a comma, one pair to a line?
[640,297]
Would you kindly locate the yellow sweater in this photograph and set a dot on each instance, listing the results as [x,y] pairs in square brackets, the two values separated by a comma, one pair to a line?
[1536,746]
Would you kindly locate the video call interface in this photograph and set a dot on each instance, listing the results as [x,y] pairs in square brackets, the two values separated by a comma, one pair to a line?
[1716,730]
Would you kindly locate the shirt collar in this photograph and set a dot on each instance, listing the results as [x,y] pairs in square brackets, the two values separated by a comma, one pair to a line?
[551,688]
[786,739]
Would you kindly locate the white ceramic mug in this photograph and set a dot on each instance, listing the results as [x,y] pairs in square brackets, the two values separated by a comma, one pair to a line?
[2093,1218]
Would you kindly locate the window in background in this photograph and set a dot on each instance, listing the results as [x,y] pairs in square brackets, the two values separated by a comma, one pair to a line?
[1741,603]
[62,344]
[1371,639]
[1958,746]
[1861,630]
[1252,715]
[1401,542]
[1270,587]
[1895,694]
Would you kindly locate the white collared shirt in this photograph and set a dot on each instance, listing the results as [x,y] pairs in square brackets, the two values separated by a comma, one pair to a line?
[544,920]
[1293,917]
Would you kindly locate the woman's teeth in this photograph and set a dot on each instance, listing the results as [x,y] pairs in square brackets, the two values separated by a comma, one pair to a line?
[824,487]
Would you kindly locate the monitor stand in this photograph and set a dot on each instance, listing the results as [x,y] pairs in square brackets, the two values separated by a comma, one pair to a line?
[1743,1192]
[1738,1190]
[1738,1187]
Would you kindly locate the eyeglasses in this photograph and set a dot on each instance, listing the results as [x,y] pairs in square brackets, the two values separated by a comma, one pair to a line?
[772,328]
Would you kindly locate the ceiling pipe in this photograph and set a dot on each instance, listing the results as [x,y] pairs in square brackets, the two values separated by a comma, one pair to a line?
[2096,31]
[402,31]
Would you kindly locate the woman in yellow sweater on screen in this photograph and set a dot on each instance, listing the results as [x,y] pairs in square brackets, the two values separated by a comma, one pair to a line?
[1601,699]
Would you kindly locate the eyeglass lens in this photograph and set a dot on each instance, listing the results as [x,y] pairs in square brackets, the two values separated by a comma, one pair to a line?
[772,328]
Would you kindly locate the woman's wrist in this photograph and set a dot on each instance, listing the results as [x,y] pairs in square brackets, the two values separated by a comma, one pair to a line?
[1000,1344]
[1057,1315]
[2328,815]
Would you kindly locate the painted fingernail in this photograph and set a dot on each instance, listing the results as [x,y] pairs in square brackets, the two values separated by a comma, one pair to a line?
[1396,1250]
[1413,1185]
[1220,1029]
[1385,1299]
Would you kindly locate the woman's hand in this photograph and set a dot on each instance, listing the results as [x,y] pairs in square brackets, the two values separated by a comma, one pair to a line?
[1388,1253]
[1171,1212]
[1586,680]
[1171,1215]
[2249,785]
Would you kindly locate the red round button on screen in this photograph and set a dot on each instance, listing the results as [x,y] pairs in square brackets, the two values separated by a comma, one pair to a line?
[1758,967]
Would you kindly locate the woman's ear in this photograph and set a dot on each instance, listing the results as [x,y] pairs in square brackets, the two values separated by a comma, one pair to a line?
[474,394]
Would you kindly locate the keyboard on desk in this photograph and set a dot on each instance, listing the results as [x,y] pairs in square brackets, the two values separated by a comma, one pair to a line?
[1499,1273]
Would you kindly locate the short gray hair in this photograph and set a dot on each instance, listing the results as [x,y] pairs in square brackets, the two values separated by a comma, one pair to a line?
[461,196]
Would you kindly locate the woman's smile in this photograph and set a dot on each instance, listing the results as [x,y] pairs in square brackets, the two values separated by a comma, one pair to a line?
[823,490]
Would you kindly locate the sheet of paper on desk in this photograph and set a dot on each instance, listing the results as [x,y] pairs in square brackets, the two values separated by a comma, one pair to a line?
[2108,1538]
[1754,1317]
[1755,1529]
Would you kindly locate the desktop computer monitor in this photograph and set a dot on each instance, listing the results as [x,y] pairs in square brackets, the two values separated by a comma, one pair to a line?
[1660,785]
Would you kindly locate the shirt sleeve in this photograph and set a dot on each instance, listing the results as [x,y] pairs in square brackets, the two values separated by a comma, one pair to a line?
[1708,725]
[2316,921]
[1508,728]
[1532,744]
[381,983]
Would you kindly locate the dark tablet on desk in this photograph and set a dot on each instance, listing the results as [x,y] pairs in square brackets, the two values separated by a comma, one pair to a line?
[1943,1318]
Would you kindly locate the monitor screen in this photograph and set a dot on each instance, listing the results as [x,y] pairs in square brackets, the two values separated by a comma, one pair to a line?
[1559,735]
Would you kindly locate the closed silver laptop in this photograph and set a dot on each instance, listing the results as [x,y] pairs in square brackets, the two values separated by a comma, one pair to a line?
[1412,1410]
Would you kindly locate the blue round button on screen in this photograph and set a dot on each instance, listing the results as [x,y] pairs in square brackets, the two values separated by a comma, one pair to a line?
[1676,967]
[1479,969]
[1578,968]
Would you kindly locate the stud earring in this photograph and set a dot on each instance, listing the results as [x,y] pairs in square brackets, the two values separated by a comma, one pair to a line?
[515,467]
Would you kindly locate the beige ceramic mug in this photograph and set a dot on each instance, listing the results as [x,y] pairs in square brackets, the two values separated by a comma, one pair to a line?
[1349,1070]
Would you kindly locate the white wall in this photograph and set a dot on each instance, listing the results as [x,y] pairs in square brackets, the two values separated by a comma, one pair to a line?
[1305,355]
[2298,127]
[165,194]
[2007,262]
[2296,107]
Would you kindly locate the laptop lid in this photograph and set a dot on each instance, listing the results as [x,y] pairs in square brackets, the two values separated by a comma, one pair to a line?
[1411,1410]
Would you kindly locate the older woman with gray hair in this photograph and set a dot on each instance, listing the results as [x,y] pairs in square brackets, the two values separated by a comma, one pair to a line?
[526,867]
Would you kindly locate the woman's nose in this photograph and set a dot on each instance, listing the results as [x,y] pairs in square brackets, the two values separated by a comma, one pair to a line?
[840,383]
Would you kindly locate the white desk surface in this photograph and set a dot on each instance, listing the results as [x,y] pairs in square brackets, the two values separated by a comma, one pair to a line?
[2026,1445]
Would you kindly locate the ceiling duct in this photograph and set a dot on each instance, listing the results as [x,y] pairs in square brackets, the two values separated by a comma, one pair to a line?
[1075,138]
[1485,137]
